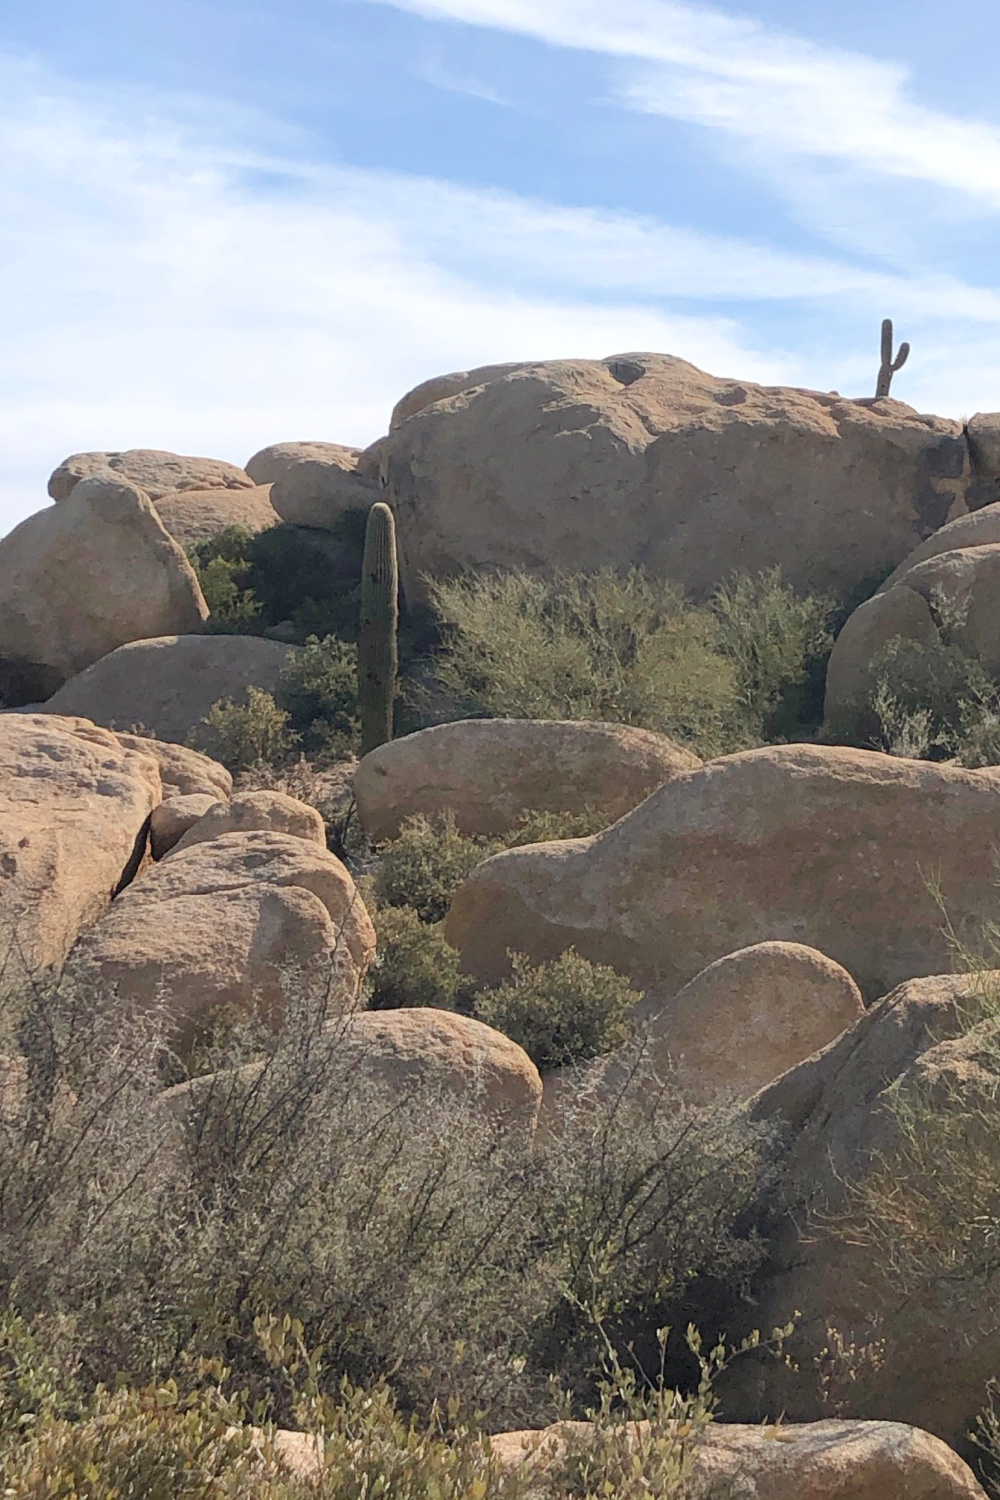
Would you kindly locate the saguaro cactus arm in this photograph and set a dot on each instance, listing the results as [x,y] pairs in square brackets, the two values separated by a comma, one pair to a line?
[377,648]
[889,365]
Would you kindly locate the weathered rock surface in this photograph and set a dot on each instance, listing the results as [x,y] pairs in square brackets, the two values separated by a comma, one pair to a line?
[419,1048]
[232,924]
[828,1460]
[154,470]
[942,1337]
[79,579]
[488,772]
[983,433]
[74,805]
[182,771]
[172,819]
[979,529]
[522,466]
[317,483]
[830,847]
[250,812]
[195,515]
[950,595]
[277,460]
[167,686]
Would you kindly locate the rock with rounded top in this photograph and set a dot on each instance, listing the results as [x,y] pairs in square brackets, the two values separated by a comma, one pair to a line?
[74,806]
[314,487]
[984,443]
[279,459]
[489,772]
[172,819]
[238,924]
[154,470]
[524,465]
[938,1340]
[421,1049]
[252,811]
[198,515]
[843,850]
[981,528]
[82,578]
[183,772]
[827,1460]
[165,687]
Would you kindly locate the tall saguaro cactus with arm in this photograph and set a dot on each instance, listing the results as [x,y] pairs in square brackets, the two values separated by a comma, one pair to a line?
[889,365]
[377,648]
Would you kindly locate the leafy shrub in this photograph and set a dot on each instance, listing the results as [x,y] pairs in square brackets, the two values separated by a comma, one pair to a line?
[319,692]
[240,735]
[563,1012]
[426,864]
[936,702]
[415,964]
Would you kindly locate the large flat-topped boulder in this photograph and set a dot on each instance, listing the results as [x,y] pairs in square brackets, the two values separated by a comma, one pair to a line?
[645,460]
[197,515]
[246,922]
[74,805]
[842,850]
[79,579]
[489,772]
[168,685]
[154,470]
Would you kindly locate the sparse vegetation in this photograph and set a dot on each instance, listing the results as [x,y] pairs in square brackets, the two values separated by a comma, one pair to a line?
[563,1012]
[241,735]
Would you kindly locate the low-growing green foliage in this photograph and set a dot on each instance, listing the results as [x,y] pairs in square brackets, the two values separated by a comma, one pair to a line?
[319,692]
[241,735]
[426,864]
[563,1012]
[416,965]
[936,702]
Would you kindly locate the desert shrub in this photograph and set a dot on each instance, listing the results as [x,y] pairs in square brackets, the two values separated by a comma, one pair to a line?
[936,703]
[310,578]
[778,643]
[426,864]
[563,1012]
[415,964]
[319,692]
[223,568]
[632,650]
[240,735]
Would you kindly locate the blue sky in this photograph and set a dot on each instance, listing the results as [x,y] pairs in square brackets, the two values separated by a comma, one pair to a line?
[227,224]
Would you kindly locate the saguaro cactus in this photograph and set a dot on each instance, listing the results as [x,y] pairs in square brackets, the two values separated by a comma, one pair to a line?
[889,365]
[377,651]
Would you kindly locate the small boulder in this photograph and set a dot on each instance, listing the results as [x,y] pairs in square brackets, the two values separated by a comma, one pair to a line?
[82,578]
[250,812]
[183,772]
[197,515]
[168,685]
[236,924]
[172,819]
[316,483]
[156,472]
[278,460]
[488,772]
[980,529]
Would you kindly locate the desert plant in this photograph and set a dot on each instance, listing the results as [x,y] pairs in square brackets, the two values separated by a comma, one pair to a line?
[378,630]
[935,702]
[416,965]
[889,366]
[318,690]
[563,1012]
[247,734]
[426,864]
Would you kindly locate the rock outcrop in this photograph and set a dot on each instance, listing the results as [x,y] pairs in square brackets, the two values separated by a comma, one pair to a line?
[313,483]
[642,459]
[182,771]
[74,805]
[167,686]
[488,772]
[196,515]
[155,471]
[172,819]
[941,1335]
[82,578]
[251,812]
[238,923]
[835,848]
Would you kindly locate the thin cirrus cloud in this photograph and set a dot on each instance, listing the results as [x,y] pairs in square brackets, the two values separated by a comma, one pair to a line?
[764,86]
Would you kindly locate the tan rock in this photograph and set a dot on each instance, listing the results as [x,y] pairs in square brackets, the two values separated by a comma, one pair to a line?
[488,772]
[172,819]
[813,1461]
[232,925]
[196,515]
[442,387]
[252,811]
[183,772]
[167,686]
[897,613]
[274,462]
[522,466]
[74,805]
[420,1048]
[830,847]
[314,487]
[53,613]
[961,590]
[942,1338]
[156,472]
[980,529]
[984,443]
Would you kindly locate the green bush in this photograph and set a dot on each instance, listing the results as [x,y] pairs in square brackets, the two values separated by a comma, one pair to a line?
[563,1012]
[426,864]
[222,564]
[415,964]
[319,692]
[241,735]
[936,702]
